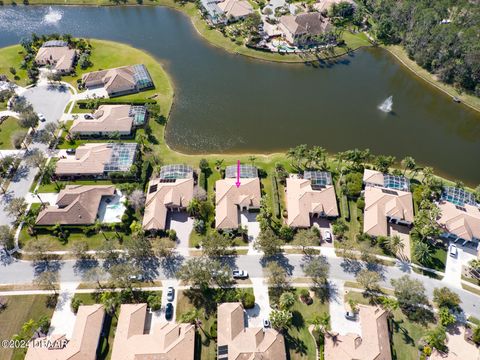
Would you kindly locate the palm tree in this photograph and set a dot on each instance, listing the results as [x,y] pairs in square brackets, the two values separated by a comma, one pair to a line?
[218,164]
[422,251]
[286,301]
[320,322]
[110,301]
[252,159]
[395,244]
[408,163]
[97,226]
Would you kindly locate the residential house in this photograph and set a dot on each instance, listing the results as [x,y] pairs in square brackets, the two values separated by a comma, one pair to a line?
[212,12]
[59,57]
[171,191]
[109,120]
[76,205]
[97,160]
[163,340]
[458,346]
[309,196]
[235,10]
[230,198]
[325,5]
[373,344]
[303,29]
[388,202]
[82,344]
[120,81]
[460,217]
[236,341]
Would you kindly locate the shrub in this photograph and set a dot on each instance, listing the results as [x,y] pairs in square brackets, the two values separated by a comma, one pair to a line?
[154,302]
[76,302]
[305,296]
[248,300]
[172,234]
[3,303]
[199,226]
[17,139]
[213,329]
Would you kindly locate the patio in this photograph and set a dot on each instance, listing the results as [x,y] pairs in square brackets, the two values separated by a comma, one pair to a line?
[111,208]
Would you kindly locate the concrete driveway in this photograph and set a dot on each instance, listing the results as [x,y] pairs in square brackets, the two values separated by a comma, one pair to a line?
[183,225]
[63,319]
[324,225]
[48,99]
[453,267]
[262,307]
[338,322]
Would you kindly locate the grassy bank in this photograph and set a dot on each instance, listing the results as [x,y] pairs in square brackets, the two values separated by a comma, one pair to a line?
[401,55]
[7,128]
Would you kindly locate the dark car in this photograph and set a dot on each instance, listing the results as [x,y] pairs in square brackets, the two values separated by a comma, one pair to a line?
[169,311]
[239,274]
[88,116]
[70,151]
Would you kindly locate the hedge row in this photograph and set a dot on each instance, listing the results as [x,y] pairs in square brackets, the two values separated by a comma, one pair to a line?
[82,104]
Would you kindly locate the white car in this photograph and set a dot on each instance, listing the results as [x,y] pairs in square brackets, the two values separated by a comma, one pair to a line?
[41,117]
[327,236]
[453,250]
[239,274]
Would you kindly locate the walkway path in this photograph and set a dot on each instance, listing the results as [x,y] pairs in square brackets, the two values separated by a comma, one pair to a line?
[262,303]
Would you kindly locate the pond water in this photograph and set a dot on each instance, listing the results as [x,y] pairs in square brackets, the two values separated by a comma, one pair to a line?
[232,104]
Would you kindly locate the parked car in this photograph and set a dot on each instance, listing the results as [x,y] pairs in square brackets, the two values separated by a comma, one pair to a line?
[170,293]
[41,117]
[327,236]
[169,311]
[88,117]
[453,250]
[266,323]
[350,315]
[138,277]
[70,151]
[239,274]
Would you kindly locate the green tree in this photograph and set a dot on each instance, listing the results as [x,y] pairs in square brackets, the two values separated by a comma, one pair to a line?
[422,252]
[280,319]
[410,294]
[268,242]
[110,300]
[436,338]
[383,163]
[444,297]
[353,185]
[317,268]
[47,280]
[321,322]
[306,239]
[286,301]
[276,276]
[6,237]
[446,318]
[201,272]
[369,280]
[408,163]
[216,244]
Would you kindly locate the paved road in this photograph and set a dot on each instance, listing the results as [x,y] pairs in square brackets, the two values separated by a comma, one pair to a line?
[20,272]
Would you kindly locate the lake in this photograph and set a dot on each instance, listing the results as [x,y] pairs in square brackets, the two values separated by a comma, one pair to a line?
[228,103]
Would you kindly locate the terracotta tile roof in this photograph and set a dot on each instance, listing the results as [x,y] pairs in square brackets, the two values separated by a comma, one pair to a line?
[463,221]
[229,199]
[60,57]
[107,119]
[84,342]
[245,342]
[236,8]
[76,205]
[458,347]
[165,341]
[307,23]
[373,345]
[164,195]
[373,177]
[380,203]
[303,201]
[90,159]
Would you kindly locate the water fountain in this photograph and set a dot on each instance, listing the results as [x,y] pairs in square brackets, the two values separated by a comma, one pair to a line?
[387,105]
[52,16]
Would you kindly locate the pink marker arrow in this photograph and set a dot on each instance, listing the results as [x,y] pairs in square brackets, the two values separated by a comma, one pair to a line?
[237,183]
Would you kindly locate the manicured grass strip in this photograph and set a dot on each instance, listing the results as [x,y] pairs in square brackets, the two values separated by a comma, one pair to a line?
[9,127]
[20,309]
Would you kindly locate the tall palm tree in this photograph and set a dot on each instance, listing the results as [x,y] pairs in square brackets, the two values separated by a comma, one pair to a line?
[321,322]
[395,244]
[422,251]
[252,159]
[218,164]
[110,301]
[408,163]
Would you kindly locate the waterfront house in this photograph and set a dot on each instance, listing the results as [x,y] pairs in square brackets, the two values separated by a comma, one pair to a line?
[230,198]
[171,191]
[388,204]
[82,344]
[302,29]
[97,160]
[309,196]
[460,217]
[372,344]
[109,120]
[58,56]
[235,10]
[212,12]
[138,337]
[76,205]
[120,81]
[236,341]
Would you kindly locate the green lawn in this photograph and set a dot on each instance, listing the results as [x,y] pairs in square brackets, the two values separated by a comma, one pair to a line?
[439,257]
[7,128]
[52,187]
[299,342]
[406,334]
[20,309]
[12,56]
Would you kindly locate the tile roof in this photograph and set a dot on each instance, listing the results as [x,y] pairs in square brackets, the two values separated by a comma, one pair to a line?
[84,342]
[303,201]
[61,57]
[307,23]
[165,341]
[229,198]
[76,205]
[463,221]
[107,119]
[247,343]
[373,345]
[236,8]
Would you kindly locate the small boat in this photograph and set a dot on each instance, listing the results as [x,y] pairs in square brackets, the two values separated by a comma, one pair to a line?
[456,99]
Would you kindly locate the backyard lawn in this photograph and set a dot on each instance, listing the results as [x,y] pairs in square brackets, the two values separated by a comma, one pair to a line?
[19,310]
[12,56]
[406,334]
[7,128]
[299,342]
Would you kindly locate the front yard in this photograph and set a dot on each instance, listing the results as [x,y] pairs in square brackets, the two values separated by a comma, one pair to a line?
[8,128]
[20,309]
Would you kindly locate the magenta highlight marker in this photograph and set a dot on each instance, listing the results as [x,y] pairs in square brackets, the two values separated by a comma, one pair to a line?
[237,183]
